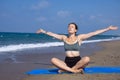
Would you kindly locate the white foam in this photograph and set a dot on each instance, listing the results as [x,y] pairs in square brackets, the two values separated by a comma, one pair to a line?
[9,48]
[28,46]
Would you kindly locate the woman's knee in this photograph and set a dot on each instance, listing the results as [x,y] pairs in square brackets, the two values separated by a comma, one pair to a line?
[87,59]
[53,60]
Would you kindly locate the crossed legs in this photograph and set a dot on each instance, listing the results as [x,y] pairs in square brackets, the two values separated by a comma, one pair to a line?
[75,69]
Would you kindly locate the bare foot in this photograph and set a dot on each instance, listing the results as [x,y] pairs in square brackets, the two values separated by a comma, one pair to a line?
[79,71]
[61,71]
[73,71]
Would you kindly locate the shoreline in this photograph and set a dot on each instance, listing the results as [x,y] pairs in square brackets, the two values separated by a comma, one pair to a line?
[34,55]
[15,71]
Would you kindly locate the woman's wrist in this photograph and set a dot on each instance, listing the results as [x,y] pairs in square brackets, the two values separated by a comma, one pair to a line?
[45,32]
[107,28]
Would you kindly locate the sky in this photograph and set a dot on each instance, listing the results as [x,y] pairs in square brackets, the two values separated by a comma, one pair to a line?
[55,15]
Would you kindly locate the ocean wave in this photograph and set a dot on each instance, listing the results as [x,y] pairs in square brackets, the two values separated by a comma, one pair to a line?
[17,47]
[28,46]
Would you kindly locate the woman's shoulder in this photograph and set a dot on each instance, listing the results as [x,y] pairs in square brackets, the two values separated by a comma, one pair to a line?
[81,36]
[64,37]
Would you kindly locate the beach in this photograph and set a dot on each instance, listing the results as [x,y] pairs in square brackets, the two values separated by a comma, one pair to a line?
[107,55]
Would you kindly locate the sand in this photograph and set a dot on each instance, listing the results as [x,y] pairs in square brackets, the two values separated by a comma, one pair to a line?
[108,56]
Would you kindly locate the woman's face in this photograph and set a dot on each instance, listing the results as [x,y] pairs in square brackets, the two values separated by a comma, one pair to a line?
[72,29]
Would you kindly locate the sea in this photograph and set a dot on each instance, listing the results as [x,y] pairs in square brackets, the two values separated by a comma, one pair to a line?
[12,43]
[20,41]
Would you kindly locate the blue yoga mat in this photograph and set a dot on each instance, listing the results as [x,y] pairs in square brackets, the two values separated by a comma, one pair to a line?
[87,70]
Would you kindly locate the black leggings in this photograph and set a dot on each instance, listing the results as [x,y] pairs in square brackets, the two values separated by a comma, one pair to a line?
[71,61]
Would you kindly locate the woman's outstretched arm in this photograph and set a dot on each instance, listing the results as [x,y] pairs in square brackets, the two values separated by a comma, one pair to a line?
[57,36]
[88,35]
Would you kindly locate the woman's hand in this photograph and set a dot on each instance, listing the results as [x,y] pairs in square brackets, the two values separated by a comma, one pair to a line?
[41,31]
[112,27]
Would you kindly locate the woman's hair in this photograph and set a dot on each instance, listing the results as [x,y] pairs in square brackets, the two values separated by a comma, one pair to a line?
[76,27]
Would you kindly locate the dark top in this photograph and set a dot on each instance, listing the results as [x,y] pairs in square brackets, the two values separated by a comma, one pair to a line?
[72,47]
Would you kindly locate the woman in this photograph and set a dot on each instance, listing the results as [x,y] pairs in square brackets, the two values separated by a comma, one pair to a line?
[73,62]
